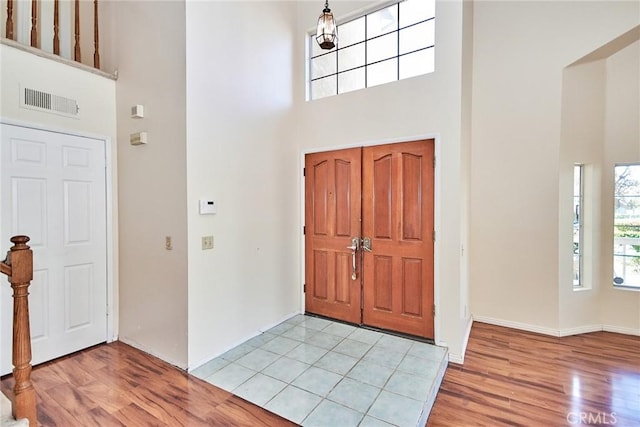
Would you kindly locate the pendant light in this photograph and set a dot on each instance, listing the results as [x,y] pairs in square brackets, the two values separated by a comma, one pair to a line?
[327,33]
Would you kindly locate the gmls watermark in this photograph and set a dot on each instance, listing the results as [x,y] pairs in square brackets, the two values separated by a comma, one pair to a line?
[592,418]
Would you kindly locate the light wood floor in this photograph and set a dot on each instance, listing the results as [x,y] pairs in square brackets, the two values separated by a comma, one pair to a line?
[117,385]
[509,378]
[514,378]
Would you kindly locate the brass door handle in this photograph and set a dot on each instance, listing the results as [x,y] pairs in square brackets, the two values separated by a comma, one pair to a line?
[354,250]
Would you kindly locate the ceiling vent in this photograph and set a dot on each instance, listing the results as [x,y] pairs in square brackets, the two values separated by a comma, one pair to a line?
[47,102]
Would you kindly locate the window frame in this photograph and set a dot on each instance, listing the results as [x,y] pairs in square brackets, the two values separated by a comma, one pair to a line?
[364,14]
[621,286]
[578,213]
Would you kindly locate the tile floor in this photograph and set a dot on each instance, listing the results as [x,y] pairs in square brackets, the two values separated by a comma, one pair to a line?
[316,372]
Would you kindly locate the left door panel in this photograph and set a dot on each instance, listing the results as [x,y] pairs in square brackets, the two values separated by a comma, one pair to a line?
[53,189]
[332,220]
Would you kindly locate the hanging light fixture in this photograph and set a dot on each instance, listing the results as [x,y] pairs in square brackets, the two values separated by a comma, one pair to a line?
[327,33]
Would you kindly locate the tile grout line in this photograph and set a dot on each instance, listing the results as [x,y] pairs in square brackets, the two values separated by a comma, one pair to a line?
[309,332]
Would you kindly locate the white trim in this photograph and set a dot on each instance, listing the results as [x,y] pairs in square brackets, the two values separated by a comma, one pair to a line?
[437,247]
[459,358]
[557,332]
[112,274]
[302,259]
[626,288]
[517,325]
[56,58]
[579,330]
[436,217]
[621,330]
[398,140]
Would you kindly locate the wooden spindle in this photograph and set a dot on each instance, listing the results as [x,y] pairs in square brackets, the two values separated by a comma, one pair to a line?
[76,49]
[9,25]
[96,41]
[56,27]
[34,23]
[19,268]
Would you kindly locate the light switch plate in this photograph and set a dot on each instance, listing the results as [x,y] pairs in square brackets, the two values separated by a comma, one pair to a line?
[207,242]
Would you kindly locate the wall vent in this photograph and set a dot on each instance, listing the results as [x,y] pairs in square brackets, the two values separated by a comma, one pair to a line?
[48,102]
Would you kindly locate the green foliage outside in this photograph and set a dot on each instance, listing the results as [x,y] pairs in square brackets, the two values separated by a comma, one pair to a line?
[630,230]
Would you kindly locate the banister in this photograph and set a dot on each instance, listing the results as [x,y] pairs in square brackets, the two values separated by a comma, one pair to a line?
[40,19]
[19,267]
[9,23]
[34,23]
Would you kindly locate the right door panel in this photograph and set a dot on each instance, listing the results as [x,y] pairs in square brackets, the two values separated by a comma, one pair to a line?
[397,215]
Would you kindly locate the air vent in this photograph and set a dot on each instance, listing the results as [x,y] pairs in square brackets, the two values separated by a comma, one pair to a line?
[44,101]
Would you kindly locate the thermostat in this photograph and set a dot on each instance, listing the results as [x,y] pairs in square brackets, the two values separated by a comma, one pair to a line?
[207,206]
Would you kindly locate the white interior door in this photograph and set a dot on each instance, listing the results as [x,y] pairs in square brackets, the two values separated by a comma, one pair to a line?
[53,189]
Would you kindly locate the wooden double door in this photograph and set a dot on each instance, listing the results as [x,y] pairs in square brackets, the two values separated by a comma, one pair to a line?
[369,236]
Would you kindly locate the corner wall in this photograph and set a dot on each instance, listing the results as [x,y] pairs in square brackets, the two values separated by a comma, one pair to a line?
[520,52]
[153,280]
[620,309]
[240,153]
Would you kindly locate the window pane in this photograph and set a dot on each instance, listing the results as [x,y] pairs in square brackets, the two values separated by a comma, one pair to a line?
[578,223]
[415,64]
[376,40]
[417,37]
[323,65]
[323,87]
[412,11]
[382,21]
[382,72]
[576,270]
[382,48]
[351,57]
[577,171]
[315,47]
[626,238]
[351,80]
[351,32]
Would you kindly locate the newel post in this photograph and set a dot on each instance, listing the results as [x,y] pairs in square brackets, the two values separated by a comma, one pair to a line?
[21,263]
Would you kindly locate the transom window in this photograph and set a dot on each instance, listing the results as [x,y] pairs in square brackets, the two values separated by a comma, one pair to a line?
[389,44]
[626,227]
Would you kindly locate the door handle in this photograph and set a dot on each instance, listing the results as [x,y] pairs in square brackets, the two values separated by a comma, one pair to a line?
[354,250]
[366,244]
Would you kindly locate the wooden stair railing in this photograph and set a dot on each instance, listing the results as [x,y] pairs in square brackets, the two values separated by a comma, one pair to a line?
[35,32]
[19,267]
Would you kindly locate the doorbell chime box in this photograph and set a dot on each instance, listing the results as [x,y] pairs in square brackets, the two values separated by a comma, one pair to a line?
[138,138]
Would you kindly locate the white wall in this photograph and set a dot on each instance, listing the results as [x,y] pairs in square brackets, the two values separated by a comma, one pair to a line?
[426,105]
[240,152]
[95,95]
[582,135]
[620,308]
[153,186]
[520,52]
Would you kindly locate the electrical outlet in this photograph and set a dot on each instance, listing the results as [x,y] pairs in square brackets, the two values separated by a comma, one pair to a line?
[168,245]
[207,242]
